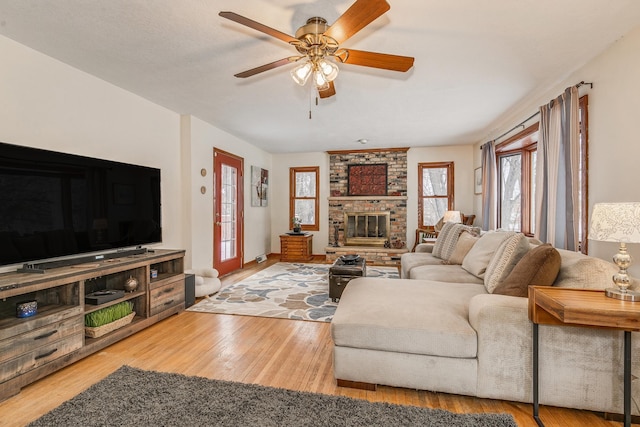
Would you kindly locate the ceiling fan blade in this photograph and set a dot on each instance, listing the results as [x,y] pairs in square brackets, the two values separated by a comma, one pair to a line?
[258,26]
[359,15]
[376,60]
[330,91]
[266,67]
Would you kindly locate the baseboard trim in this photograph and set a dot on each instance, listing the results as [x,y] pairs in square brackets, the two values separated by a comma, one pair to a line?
[610,416]
[356,384]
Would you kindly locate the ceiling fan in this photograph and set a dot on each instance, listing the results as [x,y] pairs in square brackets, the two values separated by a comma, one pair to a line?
[319,46]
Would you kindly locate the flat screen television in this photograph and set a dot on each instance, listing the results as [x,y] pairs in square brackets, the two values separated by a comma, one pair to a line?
[55,205]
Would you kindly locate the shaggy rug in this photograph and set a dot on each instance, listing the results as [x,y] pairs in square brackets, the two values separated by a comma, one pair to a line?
[133,397]
[285,290]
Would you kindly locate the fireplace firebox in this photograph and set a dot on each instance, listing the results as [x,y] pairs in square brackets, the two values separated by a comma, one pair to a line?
[366,228]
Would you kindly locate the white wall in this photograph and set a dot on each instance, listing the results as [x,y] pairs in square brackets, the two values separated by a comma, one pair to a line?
[47,104]
[462,156]
[280,220]
[198,141]
[614,146]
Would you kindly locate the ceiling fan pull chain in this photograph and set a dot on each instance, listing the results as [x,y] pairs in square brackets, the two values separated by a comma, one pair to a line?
[310,96]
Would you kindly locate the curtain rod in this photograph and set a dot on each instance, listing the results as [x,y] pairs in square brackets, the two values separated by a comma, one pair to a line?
[582,83]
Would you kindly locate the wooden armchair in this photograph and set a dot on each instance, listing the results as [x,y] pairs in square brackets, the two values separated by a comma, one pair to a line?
[429,233]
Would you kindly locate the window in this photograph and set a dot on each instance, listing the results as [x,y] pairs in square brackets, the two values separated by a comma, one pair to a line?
[435,194]
[304,201]
[516,159]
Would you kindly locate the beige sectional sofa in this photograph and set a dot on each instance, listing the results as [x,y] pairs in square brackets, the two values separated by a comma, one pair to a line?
[445,327]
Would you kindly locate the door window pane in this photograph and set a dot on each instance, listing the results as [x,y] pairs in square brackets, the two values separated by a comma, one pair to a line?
[228,243]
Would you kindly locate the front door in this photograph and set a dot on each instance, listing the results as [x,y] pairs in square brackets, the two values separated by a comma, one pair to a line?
[228,212]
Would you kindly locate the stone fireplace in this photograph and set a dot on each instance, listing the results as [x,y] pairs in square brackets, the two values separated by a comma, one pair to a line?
[366,228]
[380,212]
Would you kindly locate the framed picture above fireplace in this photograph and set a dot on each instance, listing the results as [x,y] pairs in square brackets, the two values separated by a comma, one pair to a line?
[367,180]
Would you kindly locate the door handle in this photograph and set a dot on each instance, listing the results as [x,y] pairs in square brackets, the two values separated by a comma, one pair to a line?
[218,223]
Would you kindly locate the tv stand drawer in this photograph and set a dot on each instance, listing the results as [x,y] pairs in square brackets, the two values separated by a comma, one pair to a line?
[167,296]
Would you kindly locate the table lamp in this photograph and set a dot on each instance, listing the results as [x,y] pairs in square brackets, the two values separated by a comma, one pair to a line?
[618,222]
[452,216]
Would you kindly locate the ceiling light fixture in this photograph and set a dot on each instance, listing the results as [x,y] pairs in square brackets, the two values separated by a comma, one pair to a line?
[301,73]
[324,72]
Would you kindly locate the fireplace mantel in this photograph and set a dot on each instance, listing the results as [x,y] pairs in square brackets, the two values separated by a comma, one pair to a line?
[365,198]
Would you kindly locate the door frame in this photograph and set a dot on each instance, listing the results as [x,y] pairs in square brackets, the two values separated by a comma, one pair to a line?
[240,205]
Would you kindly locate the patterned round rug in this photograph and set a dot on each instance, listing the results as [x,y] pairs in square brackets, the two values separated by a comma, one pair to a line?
[285,290]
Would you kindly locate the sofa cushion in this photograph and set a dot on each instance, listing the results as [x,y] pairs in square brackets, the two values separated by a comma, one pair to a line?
[506,257]
[538,267]
[410,260]
[581,271]
[463,246]
[407,316]
[443,273]
[478,258]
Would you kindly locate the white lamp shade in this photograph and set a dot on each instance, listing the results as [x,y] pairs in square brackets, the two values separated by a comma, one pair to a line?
[301,73]
[615,222]
[452,216]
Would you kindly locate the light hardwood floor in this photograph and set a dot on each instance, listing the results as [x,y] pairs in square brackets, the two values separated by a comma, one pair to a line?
[274,352]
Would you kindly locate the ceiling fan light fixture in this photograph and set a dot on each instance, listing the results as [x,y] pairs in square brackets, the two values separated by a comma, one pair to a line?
[320,80]
[301,73]
[329,70]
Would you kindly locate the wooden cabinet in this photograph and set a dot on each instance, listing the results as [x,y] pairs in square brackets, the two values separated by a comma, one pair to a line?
[33,347]
[296,247]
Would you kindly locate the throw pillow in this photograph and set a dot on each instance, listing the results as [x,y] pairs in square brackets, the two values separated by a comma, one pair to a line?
[582,271]
[539,267]
[446,241]
[478,258]
[448,237]
[463,246]
[504,260]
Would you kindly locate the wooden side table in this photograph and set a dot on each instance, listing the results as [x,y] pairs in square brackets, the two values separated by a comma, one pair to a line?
[585,308]
[296,247]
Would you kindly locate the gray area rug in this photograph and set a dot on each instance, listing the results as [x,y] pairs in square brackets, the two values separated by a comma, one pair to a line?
[134,397]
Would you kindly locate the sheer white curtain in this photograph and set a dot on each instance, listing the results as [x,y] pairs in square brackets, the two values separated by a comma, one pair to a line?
[557,171]
[489,187]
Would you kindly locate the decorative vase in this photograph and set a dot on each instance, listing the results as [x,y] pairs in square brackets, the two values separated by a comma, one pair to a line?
[296,229]
[131,284]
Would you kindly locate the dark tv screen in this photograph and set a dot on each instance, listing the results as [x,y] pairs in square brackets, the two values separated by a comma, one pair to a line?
[55,205]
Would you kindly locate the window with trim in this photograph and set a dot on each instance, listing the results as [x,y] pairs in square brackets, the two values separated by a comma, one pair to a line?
[304,201]
[435,192]
[516,160]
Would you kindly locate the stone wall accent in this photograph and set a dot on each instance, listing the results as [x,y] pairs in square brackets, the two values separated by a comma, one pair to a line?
[374,256]
[395,201]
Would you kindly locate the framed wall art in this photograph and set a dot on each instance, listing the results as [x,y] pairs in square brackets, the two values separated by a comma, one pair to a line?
[477,181]
[259,186]
[367,180]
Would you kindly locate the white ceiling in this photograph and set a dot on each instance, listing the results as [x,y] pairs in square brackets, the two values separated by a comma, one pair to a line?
[474,60]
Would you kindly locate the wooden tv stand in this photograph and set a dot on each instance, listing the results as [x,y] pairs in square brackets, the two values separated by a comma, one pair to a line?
[33,347]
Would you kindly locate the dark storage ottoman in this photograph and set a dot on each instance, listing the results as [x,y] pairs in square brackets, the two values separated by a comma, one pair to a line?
[341,272]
